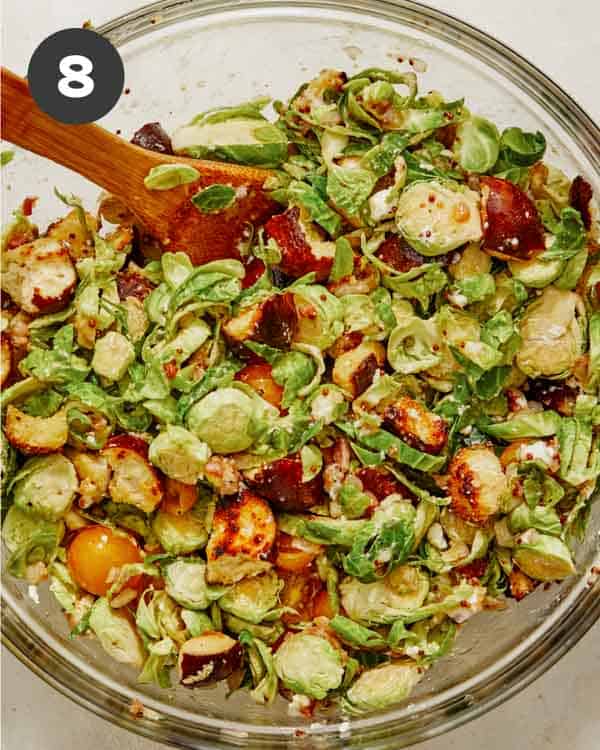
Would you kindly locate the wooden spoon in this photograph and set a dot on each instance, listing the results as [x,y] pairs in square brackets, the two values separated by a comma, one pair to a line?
[120,168]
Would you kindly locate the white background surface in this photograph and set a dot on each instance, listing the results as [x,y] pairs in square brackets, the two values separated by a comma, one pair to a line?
[560,710]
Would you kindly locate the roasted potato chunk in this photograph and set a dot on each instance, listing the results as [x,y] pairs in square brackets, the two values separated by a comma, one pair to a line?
[6,357]
[272,322]
[520,584]
[208,658]
[281,483]
[36,435]
[242,535]
[354,370]
[302,248]
[476,483]
[512,229]
[72,235]
[134,480]
[93,472]
[39,276]
[294,554]
[364,279]
[416,425]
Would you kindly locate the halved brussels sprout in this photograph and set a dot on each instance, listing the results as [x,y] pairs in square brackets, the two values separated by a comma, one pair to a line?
[226,419]
[477,144]
[253,598]
[180,534]
[179,454]
[116,632]
[552,334]
[381,687]
[113,354]
[320,316]
[438,216]
[413,346]
[30,539]
[185,582]
[536,273]
[237,134]
[543,557]
[46,485]
[309,664]
[384,601]
[472,261]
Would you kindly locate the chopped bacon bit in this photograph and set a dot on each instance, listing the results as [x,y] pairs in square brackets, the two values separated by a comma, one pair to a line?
[28,205]
[580,196]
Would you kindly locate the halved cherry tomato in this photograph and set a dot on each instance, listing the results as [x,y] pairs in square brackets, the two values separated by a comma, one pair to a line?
[179,497]
[260,378]
[299,592]
[322,605]
[293,553]
[94,551]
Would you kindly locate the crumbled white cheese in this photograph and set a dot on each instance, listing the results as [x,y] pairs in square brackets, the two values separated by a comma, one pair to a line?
[382,204]
[435,536]
[32,592]
[472,606]
[324,406]
[538,451]
[458,299]
[297,704]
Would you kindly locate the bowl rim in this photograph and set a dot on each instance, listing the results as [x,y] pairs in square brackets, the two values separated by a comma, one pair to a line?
[450,708]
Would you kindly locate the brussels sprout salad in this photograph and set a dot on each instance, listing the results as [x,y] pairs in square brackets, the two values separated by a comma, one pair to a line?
[301,469]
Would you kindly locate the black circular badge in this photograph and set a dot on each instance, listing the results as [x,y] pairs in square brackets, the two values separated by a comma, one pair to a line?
[76,76]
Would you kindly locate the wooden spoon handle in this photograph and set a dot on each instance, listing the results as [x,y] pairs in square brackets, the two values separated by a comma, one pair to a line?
[90,150]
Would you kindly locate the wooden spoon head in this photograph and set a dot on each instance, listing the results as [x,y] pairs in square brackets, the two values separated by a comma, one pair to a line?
[171,217]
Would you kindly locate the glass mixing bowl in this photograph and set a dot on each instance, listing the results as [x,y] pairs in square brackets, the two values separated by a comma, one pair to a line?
[184,56]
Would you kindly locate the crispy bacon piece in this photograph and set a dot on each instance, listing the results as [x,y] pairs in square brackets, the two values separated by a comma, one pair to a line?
[300,254]
[473,571]
[381,483]
[133,284]
[281,483]
[254,270]
[397,253]
[512,229]
[153,137]
[416,425]
[580,195]
[553,394]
